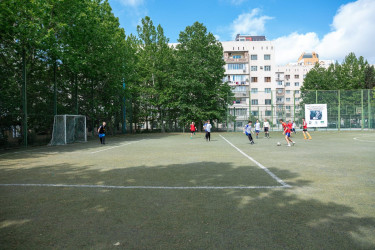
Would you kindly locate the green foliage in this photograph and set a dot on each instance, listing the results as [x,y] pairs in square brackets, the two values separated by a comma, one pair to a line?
[199,83]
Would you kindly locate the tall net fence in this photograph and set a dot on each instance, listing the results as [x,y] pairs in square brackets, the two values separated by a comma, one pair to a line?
[346,109]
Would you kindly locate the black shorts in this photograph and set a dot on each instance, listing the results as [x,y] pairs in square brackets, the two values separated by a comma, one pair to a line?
[266,129]
[305,129]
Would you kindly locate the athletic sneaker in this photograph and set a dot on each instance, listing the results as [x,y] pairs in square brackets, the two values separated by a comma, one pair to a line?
[288,145]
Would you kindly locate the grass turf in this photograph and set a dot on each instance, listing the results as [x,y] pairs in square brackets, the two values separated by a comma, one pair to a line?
[329,206]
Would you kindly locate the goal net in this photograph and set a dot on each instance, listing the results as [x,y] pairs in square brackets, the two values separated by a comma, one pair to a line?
[68,129]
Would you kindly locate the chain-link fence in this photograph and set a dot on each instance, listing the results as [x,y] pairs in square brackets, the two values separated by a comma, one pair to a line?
[346,109]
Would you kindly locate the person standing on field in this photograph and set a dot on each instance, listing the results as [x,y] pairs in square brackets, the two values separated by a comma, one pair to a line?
[208,131]
[266,127]
[248,131]
[294,127]
[101,132]
[286,132]
[192,129]
[257,128]
[304,130]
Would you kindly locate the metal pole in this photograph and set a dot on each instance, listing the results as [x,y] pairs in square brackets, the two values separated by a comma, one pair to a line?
[369,109]
[227,111]
[24,97]
[294,105]
[124,111]
[249,104]
[362,113]
[54,89]
[316,96]
[92,107]
[76,93]
[339,112]
[271,111]
[235,123]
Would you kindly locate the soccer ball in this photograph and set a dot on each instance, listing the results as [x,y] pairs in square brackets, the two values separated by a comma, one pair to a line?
[278,144]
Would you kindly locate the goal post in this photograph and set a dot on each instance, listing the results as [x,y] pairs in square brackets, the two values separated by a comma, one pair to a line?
[68,129]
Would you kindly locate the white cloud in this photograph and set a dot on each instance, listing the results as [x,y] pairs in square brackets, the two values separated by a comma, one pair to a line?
[289,48]
[249,24]
[352,31]
[237,2]
[131,3]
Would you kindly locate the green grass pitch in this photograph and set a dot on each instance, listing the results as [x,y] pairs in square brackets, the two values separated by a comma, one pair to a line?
[167,191]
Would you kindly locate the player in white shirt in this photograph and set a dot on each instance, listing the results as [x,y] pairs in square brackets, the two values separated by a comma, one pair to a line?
[208,131]
[266,127]
[257,128]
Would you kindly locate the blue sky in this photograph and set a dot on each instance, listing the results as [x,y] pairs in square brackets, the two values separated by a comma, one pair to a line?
[324,26]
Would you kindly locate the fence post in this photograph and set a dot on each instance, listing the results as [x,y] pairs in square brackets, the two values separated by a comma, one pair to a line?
[24,97]
[235,121]
[316,96]
[249,104]
[124,110]
[338,112]
[294,105]
[362,113]
[54,90]
[369,109]
[271,111]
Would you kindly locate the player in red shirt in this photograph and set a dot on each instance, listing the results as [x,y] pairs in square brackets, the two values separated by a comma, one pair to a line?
[290,126]
[192,129]
[286,132]
[304,131]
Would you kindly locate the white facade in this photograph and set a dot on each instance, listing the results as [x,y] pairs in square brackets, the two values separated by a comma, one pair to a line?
[250,70]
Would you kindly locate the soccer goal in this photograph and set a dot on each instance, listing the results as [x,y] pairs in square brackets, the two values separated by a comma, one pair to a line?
[68,129]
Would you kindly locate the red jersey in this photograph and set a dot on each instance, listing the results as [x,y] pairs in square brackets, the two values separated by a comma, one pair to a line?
[192,127]
[304,125]
[285,127]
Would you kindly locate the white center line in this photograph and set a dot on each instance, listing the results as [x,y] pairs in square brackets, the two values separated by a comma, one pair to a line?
[258,164]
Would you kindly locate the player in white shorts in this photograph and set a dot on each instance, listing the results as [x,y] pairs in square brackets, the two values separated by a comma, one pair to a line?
[257,128]
[266,128]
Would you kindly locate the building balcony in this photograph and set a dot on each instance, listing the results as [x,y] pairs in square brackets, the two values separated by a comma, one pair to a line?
[236,60]
[231,83]
[241,94]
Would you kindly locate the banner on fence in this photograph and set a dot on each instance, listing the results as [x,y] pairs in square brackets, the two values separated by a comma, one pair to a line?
[316,115]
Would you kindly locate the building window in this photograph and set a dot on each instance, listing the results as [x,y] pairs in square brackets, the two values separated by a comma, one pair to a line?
[287,77]
[254,57]
[296,84]
[296,76]
[254,90]
[239,89]
[287,84]
[254,68]
[267,57]
[254,113]
[268,113]
[254,102]
[236,56]
[288,91]
[267,90]
[236,66]
[267,79]
[267,101]
[296,99]
[254,79]
[287,107]
[297,91]
[267,68]
[280,83]
[288,99]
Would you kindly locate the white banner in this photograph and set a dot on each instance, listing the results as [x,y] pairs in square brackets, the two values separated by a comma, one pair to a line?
[316,115]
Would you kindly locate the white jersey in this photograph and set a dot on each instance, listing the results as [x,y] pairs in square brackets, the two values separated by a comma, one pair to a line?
[208,127]
[257,126]
[266,124]
[294,125]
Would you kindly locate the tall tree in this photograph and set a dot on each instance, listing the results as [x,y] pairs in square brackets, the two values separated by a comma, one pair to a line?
[201,92]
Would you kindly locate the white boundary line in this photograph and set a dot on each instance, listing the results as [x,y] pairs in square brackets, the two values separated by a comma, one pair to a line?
[139,187]
[356,138]
[115,146]
[258,164]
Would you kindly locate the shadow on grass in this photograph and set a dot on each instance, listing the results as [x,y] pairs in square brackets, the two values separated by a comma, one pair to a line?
[92,144]
[75,218]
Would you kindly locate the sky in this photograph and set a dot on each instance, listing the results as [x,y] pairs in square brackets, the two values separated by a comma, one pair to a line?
[332,28]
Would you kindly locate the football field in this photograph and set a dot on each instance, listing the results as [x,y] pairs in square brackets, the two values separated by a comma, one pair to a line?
[168,191]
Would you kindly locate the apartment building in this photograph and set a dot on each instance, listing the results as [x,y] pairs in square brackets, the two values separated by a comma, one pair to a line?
[250,70]
[261,88]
